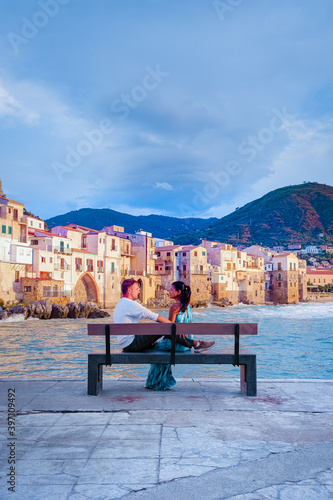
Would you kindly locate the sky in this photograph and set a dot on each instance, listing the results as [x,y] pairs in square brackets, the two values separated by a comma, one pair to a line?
[185,108]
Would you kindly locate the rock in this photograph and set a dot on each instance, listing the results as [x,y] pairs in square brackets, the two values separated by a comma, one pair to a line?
[200,303]
[59,311]
[4,314]
[98,314]
[73,310]
[85,309]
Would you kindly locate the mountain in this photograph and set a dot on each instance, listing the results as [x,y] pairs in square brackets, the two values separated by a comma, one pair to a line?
[293,214]
[160,226]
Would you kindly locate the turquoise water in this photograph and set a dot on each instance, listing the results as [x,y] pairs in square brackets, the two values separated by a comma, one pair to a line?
[294,341]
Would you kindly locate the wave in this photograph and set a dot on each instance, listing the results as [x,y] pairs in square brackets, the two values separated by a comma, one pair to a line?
[244,312]
[16,318]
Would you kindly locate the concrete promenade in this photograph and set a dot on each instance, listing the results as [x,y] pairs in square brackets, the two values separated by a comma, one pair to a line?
[203,439]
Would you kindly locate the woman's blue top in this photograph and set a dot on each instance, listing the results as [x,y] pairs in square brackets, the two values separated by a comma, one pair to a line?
[160,376]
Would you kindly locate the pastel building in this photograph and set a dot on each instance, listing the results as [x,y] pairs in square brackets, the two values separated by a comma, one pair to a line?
[141,258]
[192,268]
[15,254]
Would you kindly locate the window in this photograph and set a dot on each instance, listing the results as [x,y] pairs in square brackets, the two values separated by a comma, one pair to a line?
[168,254]
[27,288]
[17,276]
[291,266]
[279,266]
[112,267]
[195,254]
[40,225]
[279,284]
[203,253]
[3,229]
[51,260]
[279,277]
[43,259]
[9,229]
[15,214]
[31,223]
[184,254]
[113,244]
[156,268]
[34,242]
[294,266]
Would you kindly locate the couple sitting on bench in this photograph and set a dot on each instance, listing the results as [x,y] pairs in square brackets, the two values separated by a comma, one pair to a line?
[129,311]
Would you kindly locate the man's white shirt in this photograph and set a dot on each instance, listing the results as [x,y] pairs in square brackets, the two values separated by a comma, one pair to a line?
[130,311]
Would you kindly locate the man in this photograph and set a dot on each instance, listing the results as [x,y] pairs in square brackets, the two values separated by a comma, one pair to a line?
[129,311]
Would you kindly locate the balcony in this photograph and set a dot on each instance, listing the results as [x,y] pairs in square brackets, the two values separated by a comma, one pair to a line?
[90,268]
[57,293]
[62,267]
[78,268]
[22,220]
[198,271]
[154,257]
[131,272]
[100,269]
[62,250]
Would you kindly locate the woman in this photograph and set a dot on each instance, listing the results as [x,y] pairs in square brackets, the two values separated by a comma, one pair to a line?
[160,375]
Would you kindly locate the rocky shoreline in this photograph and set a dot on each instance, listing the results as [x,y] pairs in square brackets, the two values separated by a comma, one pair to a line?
[44,309]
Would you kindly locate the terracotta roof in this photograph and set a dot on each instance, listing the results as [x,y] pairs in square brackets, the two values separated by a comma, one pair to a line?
[13,201]
[166,248]
[84,228]
[192,247]
[320,271]
[44,232]
[81,251]
[284,254]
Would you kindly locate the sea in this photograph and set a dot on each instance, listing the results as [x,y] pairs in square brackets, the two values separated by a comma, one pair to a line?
[294,341]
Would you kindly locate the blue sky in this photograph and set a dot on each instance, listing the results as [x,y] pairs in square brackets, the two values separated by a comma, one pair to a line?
[182,108]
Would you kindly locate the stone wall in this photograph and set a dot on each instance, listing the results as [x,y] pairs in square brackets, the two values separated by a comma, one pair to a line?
[200,287]
[10,290]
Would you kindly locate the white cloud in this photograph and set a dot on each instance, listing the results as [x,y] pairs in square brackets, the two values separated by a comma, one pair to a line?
[164,185]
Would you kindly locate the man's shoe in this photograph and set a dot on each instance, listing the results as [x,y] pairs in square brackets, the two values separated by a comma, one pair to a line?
[204,345]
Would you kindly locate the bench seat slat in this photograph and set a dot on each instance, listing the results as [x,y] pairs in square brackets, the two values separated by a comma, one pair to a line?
[189,357]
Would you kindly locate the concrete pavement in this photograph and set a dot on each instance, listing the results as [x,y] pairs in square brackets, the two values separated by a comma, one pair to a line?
[203,439]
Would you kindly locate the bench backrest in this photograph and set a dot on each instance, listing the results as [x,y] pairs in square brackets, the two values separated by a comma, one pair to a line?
[173,329]
[166,328]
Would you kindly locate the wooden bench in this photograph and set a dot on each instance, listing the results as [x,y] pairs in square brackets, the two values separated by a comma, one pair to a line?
[237,357]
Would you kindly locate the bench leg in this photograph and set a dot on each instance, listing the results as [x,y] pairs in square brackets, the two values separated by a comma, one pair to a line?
[95,377]
[248,378]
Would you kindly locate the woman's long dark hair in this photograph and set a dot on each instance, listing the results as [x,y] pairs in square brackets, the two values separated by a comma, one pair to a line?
[185,296]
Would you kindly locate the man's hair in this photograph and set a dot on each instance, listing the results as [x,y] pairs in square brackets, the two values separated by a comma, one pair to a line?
[126,284]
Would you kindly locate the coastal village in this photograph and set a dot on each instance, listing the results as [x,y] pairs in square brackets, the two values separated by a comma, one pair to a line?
[76,263]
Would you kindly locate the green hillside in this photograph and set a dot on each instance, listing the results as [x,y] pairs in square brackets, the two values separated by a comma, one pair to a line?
[159,225]
[293,214]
